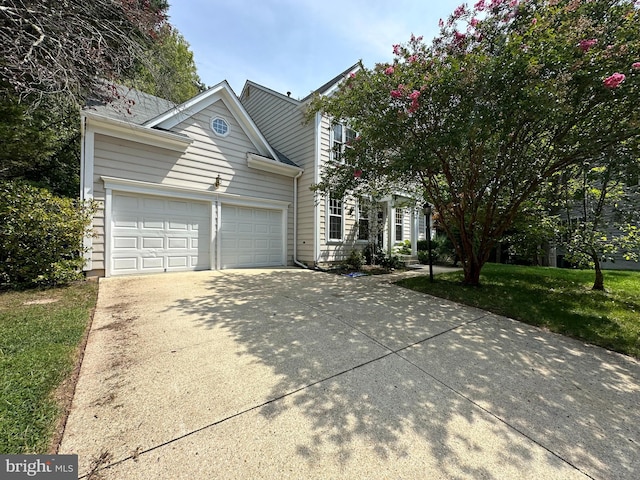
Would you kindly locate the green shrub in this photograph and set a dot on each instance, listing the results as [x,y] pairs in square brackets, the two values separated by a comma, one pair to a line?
[422,245]
[41,236]
[390,262]
[404,248]
[355,259]
[423,256]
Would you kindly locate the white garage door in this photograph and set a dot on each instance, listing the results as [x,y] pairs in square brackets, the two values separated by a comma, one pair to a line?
[251,237]
[158,234]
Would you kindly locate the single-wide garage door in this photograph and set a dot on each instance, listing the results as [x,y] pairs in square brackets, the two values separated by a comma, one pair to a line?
[251,237]
[158,234]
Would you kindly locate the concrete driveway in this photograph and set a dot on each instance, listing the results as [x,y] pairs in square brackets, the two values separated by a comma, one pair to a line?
[298,374]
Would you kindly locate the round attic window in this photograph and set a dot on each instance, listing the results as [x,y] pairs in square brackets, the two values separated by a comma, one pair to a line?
[220,126]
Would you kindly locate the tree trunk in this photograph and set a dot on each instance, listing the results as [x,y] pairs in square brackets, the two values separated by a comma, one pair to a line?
[472,269]
[598,284]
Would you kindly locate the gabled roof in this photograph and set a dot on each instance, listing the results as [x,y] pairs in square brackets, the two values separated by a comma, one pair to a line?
[128,105]
[325,89]
[332,84]
[134,107]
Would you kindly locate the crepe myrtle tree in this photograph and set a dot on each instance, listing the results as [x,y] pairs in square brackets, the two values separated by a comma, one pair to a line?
[508,93]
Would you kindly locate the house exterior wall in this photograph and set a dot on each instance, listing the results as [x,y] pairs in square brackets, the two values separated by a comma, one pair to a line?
[308,143]
[196,169]
[282,121]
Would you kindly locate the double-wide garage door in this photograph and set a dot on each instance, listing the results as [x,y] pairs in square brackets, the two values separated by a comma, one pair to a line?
[159,234]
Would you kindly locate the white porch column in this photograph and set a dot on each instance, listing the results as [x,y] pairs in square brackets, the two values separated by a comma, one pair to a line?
[414,232]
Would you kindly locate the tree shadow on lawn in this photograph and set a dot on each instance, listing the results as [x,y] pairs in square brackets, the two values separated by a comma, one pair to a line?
[404,380]
[566,307]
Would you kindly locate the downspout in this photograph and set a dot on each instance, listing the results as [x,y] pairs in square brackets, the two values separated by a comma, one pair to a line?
[295,221]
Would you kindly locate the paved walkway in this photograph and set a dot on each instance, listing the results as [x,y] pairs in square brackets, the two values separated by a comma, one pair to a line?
[299,374]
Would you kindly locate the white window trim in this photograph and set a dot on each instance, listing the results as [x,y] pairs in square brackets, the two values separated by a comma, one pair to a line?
[396,224]
[342,141]
[218,117]
[358,239]
[328,220]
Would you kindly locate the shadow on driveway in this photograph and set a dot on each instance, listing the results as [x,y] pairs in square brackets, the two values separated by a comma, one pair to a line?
[277,373]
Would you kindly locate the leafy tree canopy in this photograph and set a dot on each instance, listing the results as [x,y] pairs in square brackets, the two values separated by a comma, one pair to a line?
[168,69]
[508,94]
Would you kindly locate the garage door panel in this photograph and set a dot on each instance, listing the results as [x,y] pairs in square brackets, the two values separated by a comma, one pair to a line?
[152,242]
[126,202]
[125,264]
[125,242]
[174,206]
[178,262]
[156,234]
[126,222]
[177,242]
[152,204]
[251,237]
[153,223]
[152,263]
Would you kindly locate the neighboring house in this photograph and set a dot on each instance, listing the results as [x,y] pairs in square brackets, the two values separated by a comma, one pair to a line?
[221,182]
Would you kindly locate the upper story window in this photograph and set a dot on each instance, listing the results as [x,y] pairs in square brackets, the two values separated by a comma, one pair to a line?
[341,138]
[399,224]
[220,126]
[335,214]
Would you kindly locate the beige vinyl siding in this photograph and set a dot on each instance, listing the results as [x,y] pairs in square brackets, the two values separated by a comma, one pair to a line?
[210,155]
[281,120]
[206,158]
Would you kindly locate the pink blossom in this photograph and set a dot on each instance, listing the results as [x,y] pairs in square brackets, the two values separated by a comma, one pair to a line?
[414,106]
[534,21]
[459,37]
[352,75]
[495,3]
[461,10]
[480,5]
[414,95]
[396,49]
[614,80]
[635,65]
[357,173]
[585,45]
[412,58]
[441,23]
[513,3]
[474,22]
[389,71]
[396,93]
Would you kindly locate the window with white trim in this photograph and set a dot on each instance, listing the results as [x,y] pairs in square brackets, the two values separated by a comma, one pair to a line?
[399,224]
[363,221]
[336,220]
[341,138]
[220,126]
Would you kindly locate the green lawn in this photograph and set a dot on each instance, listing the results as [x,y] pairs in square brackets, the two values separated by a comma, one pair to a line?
[39,336]
[554,298]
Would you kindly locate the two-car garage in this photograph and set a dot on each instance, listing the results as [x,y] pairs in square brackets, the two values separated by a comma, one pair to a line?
[153,234]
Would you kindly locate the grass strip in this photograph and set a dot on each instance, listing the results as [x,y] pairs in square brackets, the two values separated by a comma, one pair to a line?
[557,299]
[40,334]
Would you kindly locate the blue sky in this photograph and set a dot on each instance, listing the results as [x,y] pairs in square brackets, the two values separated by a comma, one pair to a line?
[298,45]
